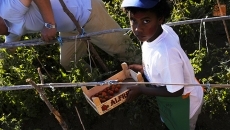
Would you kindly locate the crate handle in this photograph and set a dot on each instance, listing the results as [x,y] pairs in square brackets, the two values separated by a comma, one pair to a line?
[125,70]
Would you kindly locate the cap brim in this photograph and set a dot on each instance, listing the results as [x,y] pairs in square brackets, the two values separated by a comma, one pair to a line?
[139,3]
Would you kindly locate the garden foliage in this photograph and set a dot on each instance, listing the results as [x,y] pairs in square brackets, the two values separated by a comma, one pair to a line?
[205,44]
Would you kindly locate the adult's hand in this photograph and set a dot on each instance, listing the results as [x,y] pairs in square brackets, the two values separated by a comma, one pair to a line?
[48,34]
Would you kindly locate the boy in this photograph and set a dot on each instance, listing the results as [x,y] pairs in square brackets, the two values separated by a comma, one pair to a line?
[164,61]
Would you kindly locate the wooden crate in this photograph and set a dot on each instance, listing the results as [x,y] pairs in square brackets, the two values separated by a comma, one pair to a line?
[126,75]
[219,11]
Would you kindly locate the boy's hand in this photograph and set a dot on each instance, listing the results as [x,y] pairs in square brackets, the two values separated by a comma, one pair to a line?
[134,92]
[136,68]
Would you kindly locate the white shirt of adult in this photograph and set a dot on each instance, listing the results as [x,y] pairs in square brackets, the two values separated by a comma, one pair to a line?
[164,61]
[21,19]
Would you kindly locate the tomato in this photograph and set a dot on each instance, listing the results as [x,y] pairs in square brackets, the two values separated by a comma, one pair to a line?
[107,97]
[111,92]
[118,86]
[103,94]
[116,90]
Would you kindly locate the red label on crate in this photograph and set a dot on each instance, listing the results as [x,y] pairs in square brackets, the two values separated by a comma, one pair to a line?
[104,107]
[119,98]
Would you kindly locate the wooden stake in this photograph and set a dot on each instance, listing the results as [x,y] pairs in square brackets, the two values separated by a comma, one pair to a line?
[40,75]
[51,108]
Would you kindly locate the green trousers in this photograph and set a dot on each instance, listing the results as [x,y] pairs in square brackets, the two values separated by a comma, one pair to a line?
[175,112]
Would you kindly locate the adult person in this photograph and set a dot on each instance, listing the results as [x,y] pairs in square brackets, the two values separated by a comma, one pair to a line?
[19,17]
[164,61]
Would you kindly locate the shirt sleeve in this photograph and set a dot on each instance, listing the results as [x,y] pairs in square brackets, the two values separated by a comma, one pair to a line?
[12,38]
[13,10]
[173,75]
[173,72]
[13,13]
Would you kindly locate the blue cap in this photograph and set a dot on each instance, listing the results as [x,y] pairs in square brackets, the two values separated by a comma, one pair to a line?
[139,3]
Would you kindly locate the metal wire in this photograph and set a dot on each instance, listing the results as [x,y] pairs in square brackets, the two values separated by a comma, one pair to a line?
[61,40]
[107,82]
[35,42]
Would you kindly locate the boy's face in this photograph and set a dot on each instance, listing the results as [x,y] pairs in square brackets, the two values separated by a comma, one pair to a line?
[146,26]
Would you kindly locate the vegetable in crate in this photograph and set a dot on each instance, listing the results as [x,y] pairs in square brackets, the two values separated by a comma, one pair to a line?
[108,92]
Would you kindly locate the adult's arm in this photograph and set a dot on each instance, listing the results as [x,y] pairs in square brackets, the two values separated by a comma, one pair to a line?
[46,11]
